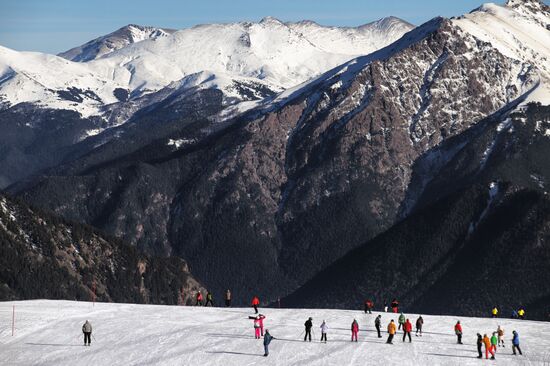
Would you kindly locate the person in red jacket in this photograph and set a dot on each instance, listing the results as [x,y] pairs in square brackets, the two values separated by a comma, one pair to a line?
[199,299]
[369,305]
[255,303]
[407,329]
[261,317]
[458,332]
[354,330]
[395,306]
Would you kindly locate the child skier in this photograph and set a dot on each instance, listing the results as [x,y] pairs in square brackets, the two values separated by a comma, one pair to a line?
[354,330]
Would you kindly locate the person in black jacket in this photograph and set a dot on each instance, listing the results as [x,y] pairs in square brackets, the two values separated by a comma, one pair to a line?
[479,344]
[377,325]
[267,340]
[308,324]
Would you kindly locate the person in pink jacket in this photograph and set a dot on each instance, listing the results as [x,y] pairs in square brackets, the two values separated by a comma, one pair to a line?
[261,318]
[257,327]
[354,330]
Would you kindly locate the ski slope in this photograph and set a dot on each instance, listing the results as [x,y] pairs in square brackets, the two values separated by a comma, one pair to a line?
[49,333]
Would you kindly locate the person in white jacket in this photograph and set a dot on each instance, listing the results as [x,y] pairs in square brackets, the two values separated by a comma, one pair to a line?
[324,329]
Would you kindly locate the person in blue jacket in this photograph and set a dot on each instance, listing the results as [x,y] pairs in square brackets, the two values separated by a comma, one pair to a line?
[267,340]
[515,343]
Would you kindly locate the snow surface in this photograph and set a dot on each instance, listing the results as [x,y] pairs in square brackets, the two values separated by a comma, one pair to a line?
[49,333]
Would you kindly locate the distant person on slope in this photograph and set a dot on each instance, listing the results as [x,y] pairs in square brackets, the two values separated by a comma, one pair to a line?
[500,332]
[199,299]
[385,308]
[255,303]
[494,342]
[458,332]
[488,349]
[267,340]
[324,330]
[377,325]
[308,325]
[261,317]
[494,312]
[521,313]
[209,299]
[395,306]
[392,328]
[479,344]
[407,329]
[227,298]
[369,305]
[515,343]
[87,330]
[257,327]
[354,330]
[514,314]
[419,324]
[401,321]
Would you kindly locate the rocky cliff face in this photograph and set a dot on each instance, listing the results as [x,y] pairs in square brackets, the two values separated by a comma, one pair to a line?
[44,256]
[281,193]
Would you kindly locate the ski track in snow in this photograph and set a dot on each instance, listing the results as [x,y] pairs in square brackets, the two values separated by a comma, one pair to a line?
[49,333]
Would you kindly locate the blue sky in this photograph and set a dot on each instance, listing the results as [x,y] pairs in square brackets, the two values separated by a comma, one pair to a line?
[56,25]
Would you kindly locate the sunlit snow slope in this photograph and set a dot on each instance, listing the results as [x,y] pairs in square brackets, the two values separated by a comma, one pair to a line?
[49,333]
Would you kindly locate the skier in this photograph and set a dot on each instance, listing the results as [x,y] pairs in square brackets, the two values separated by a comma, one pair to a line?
[458,332]
[494,312]
[257,327]
[514,314]
[391,331]
[209,299]
[407,329]
[500,332]
[324,329]
[515,343]
[377,324]
[199,299]
[494,342]
[488,349]
[308,324]
[354,330]
[395,306]
[368,306]
[419,324]
[479,344]
[261,318]
[228,298]
[401,321]
[385,308]
[267,340]
[521,313]
[255,303]
[87,330]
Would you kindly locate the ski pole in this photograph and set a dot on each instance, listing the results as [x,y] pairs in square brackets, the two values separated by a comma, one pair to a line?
[94,338]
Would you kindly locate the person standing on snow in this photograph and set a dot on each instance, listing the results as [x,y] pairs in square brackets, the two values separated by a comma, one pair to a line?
[87,330]
[255,303]
[261,318]
[488,348]
[199,299]
[354,330]
[401,321]
[515,343]
[458,332]
[267,340]
[494,342]
[407,329]
[257,327]
[324,329]
[395,306]
[377,324]
[419,324]
[385,308]
[209,299]
[494,312]
[227,298]
[479,343]
[500,332]
[308,324]
[369,305]
[521,313]
[391,331]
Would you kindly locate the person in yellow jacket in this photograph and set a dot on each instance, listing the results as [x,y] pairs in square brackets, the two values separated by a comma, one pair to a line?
[521,313]
[494,312]
[392,328]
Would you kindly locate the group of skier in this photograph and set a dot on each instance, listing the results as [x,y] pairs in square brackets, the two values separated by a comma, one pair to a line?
[516,313]
[496,340]
[210,298]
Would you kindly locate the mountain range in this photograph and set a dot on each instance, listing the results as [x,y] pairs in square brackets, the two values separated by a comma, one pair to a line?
[315,164]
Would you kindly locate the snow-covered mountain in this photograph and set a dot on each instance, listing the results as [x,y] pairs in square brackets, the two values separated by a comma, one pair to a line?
[48,333]
[116,40]
[135,61]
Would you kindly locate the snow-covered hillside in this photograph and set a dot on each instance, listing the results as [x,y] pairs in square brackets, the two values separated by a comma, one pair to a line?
[49,333]
[135,61]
